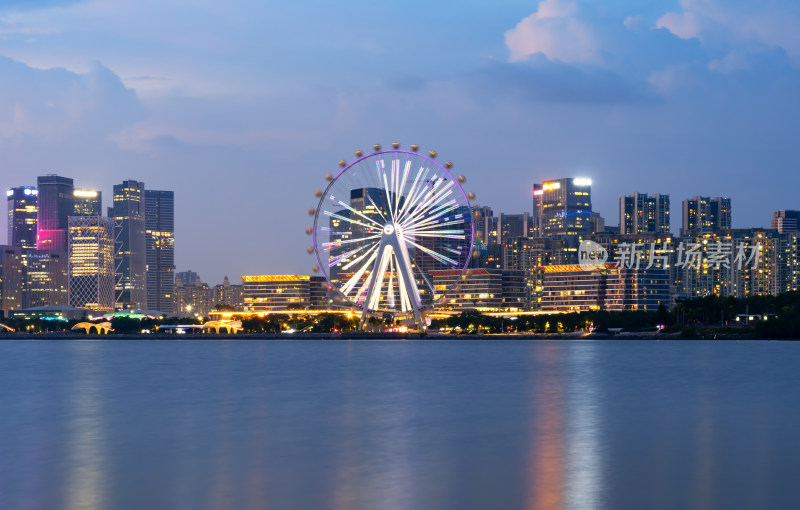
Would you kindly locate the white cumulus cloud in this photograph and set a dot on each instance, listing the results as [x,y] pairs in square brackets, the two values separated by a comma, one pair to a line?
[556,31]
[750,27]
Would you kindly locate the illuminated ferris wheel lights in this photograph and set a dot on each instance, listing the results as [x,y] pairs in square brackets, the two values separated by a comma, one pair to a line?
[406,215]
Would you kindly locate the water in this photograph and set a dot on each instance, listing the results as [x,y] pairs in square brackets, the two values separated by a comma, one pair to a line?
[399,425]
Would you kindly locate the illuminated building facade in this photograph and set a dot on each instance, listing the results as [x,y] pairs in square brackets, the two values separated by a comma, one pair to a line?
[23,207]
[265,293]
[640,213]
[55,206]
[12,277]
[229,296]
[570,288]
[563,208]
[87,202]
[480,289]
[702,215]
[160,249]
[91,262]
[528,255]
[46,279]
[129,246]
[191,295]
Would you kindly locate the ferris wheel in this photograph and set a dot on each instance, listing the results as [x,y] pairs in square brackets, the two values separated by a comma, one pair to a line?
[386,225]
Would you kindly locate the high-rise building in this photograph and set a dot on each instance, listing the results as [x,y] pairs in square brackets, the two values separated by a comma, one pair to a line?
[191,294]
[702,215]
[786,221]
[12,277]
[46,279]
[22,212]
[563,208]
[91,262]
[87,202]
[130,245]
[228,295]
[640,213]
[160,249]
[55,206]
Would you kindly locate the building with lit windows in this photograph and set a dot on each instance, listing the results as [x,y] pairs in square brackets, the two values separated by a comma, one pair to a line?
[570,288]
[46,279]
[55,206]
[266,293]
[160,249]
[91,262]
[87,202]
[528,255]
[480,289]
[229,295]
[12,278]
[130,269]
[702,215]
[23,209]
[563,208]
[640,213]
[192,296]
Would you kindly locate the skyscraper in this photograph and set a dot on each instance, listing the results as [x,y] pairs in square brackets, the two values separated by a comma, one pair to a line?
[786,221]
[91,262]
[87,202]
[55,206]
[160,249]
[129,245]
[22,211]
[563,208]
[704,214]
[640,213]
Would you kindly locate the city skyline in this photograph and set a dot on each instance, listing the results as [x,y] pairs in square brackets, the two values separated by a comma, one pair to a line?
[237,105]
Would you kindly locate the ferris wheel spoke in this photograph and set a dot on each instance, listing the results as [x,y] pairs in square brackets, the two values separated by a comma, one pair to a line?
[336,244]
[351,209]
[430,202]
[360,257]
[376,208]
[358,274]
[411,197]
[435,218]
[334,261]
[345,218]
[436,255]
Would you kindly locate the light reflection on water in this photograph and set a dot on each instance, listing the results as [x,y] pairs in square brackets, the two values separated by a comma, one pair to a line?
[406,425]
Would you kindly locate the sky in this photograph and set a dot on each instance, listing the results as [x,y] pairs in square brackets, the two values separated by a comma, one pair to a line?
[241,107]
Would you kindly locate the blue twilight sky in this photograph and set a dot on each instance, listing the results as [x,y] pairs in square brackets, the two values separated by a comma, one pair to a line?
[242,106]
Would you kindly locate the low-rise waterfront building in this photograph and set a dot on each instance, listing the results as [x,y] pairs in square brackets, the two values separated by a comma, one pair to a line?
[264,293]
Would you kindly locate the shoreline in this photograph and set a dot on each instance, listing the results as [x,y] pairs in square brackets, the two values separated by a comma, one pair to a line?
[650,336]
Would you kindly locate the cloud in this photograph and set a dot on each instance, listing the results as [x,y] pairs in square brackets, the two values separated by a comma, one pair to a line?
[56,102]
[554,30]
[733,61]
[746,26]
[32,5]
[542,80]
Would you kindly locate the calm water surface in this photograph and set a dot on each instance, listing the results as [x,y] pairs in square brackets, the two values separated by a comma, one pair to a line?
[416,425]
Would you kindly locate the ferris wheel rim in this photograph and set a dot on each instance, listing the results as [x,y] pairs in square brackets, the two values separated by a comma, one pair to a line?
[347,167]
